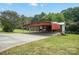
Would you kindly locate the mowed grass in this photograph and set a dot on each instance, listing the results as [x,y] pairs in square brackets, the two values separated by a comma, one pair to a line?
[0,29]
[54,45]
[20,31]
[16,31]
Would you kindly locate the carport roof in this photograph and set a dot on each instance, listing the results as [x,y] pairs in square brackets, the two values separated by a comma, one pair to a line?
[40,24]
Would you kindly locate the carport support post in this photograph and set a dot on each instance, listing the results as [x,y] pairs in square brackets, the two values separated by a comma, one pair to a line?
[63,29]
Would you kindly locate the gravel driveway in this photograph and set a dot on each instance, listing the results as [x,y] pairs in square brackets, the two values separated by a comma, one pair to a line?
[13,39]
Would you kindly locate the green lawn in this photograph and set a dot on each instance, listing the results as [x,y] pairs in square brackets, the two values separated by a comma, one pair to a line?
[20,31]
[16,31]
[0,29]
[68,44]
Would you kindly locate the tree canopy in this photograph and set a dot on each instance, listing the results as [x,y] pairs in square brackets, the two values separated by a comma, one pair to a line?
[56,17]
[72,19]
[8,20]
[71,14]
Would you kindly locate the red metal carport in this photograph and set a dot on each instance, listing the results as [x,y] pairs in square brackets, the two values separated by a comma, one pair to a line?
[48,26]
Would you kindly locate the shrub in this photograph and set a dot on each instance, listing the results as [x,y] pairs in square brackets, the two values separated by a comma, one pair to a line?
[8,27]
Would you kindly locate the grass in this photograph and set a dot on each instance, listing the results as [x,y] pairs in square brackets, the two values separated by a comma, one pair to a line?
[16,31]
[0,29]
[20,31]
[54,45]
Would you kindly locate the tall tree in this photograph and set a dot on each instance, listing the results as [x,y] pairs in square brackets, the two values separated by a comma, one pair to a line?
[39,18]
[58,17]
[8,20]
[22,20]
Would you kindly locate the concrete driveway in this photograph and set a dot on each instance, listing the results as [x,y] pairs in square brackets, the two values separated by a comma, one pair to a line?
[13,39]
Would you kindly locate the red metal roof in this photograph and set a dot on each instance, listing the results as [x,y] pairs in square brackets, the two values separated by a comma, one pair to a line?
[40,24]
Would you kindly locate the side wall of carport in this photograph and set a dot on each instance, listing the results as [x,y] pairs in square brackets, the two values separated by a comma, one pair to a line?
[58,26]
[55,26]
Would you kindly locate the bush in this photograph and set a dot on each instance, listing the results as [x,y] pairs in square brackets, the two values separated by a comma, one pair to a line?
[73,28]
[8,27]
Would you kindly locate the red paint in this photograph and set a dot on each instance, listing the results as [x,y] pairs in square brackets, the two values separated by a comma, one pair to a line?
[55,26]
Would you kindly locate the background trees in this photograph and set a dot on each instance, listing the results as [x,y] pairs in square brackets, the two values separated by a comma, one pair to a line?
[39,18]
[71,14]
[56,17]
[72,19]
[23,20]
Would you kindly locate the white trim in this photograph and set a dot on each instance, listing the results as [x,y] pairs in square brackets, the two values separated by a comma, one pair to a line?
[61,23]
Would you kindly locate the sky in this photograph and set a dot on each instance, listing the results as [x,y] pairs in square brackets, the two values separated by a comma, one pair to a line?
[31,9]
